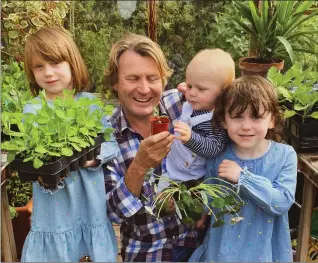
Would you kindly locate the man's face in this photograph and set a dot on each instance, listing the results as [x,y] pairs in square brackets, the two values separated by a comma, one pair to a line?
[139,84]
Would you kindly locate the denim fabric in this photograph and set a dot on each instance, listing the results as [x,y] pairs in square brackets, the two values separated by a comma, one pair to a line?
[72,221]
[267,185]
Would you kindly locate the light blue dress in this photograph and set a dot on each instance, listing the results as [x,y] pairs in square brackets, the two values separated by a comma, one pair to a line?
[268,186]
[72,221]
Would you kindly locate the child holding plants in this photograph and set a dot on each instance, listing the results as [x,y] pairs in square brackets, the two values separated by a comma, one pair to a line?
[263,172]
[206,75]
[69,223]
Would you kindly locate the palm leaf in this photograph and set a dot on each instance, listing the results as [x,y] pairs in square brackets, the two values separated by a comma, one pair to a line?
[287,46]
[256,18]
[294,24]
[244,10]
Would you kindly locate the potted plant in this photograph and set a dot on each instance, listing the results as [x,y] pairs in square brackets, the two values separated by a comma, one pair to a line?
[66,134]
[159,123]
[20,200]
[299,101]
[192,199]
[273,29]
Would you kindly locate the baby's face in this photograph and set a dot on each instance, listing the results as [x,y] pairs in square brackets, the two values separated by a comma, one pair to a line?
[203,88]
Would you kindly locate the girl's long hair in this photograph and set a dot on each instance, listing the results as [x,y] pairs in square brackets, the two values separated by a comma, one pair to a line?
[55,45]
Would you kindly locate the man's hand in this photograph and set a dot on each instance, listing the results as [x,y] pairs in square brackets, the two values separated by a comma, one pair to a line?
[153,149]
[201,223]
[184,130]
[150,154]
[230,171]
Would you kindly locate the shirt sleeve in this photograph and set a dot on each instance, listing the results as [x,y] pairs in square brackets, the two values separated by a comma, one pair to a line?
[209,143]
[275,198]
[121,203]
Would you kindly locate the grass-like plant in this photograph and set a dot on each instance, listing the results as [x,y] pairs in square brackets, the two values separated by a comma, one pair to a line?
[192,200]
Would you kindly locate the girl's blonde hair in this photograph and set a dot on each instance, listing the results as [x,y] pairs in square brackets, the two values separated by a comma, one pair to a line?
[55,45]
[143,46]
[250,91]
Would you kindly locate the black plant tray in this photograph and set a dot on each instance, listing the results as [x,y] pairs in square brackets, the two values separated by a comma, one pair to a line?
[52,172]
[307,129]
[303,144]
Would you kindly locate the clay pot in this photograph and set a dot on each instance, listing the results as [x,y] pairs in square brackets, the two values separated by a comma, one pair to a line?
[159,124]
[256,67]
[22,225]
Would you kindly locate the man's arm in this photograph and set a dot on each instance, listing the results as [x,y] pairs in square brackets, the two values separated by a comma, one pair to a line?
[123,191]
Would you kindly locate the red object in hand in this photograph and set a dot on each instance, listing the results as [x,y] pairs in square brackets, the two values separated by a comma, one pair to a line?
[159,124]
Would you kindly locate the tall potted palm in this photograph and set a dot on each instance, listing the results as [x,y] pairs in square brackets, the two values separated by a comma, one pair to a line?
[273,28]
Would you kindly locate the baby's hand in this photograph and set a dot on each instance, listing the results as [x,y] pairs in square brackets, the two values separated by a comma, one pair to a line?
[184,130]
[182,87]
[201,223]
[230,171]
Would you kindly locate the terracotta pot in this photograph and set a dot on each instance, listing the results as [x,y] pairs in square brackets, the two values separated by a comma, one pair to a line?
[253,67]
[22,225]
[159,124]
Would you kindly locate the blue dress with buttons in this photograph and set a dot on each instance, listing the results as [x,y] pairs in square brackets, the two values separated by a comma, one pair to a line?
[71,221]
[267,185]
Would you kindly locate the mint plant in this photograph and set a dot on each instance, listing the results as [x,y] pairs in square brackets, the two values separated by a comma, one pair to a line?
[296,86]
[57,130]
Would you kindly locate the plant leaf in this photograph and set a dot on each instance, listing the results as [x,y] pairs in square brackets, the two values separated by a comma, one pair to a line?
[314,115]
[40,149]
[37,163]
[289,113]
[67,151]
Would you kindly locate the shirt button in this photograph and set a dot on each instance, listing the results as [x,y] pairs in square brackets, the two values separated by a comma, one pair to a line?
[186,164]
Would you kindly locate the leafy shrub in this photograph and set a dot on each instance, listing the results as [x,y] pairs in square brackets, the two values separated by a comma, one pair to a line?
[21,18]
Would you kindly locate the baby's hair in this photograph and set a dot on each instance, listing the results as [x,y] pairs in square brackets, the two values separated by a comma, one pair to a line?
[55,45]
[219,62]
[253,91]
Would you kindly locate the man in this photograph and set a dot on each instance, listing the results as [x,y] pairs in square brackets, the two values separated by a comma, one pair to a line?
[138,72]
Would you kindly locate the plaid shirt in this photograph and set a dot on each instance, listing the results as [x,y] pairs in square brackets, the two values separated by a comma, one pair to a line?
[144,238]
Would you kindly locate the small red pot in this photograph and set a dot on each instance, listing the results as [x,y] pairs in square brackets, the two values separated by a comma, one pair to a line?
[159,124]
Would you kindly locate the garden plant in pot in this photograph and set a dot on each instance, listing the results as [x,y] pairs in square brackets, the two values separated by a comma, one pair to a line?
[298,94]
[61,137]
[19,195]
[274,30]
[159,123]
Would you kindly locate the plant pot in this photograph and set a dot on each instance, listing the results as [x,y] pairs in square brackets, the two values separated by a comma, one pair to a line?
[22,225]
[159,124]
[251,66]
[307,129]
[302,144]
[52,172]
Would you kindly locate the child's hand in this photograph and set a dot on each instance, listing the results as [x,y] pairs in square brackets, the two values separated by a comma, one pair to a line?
[201,223]
[229,170]
[184,130]
[182,87]
[91,163]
